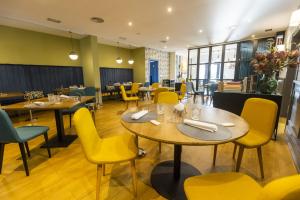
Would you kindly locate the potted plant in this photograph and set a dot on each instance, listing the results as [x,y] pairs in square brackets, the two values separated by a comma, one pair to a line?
[268,64]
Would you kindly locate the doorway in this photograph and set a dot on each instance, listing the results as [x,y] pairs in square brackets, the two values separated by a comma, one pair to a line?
[153,71]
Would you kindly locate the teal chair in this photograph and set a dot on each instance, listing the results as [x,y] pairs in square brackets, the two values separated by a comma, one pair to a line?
[9,134]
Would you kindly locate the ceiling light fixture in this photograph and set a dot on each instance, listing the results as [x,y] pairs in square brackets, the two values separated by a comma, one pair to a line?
[129,23]
[97,20]
[200,31]
[169,9]
[130,61]
[167,38]
[119,60]
[253,36]
[165,47]
[72,55]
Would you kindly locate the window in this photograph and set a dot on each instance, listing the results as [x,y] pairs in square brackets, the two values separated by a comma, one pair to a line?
[193,56]
[204,55]
[193,72]
[216,62]
[229,61]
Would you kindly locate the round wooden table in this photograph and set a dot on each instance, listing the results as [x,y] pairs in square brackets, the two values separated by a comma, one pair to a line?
[167,177]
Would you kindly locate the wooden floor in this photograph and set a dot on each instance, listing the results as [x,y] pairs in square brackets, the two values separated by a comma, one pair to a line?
[68,175]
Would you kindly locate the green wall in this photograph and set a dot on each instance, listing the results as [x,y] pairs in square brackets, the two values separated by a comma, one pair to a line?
[108,55]
[18,46]
[139,64]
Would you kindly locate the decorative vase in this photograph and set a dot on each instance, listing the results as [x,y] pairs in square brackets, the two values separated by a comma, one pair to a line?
[267,84]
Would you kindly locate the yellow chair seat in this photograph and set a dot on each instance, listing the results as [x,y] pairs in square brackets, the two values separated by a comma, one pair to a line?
[222,186]
[131,98]
[253,139]
[180,97]
[115,149]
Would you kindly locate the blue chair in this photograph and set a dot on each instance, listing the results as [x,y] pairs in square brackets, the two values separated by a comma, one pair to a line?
[9,134]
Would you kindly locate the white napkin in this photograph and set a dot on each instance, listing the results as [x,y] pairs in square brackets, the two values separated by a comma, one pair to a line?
[139,114]
[179,107]
[64,96]
[39,103]
[202,125]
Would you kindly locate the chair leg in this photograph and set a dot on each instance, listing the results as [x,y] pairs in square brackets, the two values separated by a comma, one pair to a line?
[127,105]
[159,147]
[103,166]
[98,184]
[1,156]
[47,144]
[215,154]
[259,154]
[70,119]
[134,177]
[239,160]
[137,103]
[195,98]
[27,149]
[22,149]
[202,97]
[234,151]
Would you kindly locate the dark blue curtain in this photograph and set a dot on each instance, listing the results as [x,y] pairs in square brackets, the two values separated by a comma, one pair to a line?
[109,76]
[20,78]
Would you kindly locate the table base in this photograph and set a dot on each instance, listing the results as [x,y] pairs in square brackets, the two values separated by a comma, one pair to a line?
[163,181]
[65,142]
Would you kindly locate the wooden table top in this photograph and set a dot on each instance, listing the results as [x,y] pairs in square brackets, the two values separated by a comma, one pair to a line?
[167,132]
[149,89]
[7,95]
[64,104]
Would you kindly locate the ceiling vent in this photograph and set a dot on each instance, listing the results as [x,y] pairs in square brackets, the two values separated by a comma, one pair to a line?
[53,20]
[122,38]
[268,30]
[163,41]
[97,20]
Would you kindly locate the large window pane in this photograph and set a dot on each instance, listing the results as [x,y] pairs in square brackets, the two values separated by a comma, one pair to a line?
[229,69]
[230,52]
[203,71]
[193,56]
[215,71]
[216,54]
[193,72]
[204,55]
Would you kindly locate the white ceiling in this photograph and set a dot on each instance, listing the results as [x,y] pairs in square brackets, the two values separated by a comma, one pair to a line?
[151,19]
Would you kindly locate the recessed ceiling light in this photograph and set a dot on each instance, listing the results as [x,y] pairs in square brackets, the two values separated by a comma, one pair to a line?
[253,36]
[165,47]
[200,31]
[169,9]
[53,20]
[97,20]
[167,38]
[129,23]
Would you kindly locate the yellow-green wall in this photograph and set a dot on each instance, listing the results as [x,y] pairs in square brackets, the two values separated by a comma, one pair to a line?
[139,64]
[108,55]
[18,46]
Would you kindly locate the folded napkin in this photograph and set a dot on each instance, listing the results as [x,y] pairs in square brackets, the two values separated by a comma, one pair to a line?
[202,125]
[39,103]
[64,96]
[139,114]
[179,107]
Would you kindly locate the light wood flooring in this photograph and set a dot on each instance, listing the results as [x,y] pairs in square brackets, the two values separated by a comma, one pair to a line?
[68,175]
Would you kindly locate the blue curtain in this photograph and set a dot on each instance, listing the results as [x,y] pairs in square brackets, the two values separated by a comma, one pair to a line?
[20,78]
[109,76]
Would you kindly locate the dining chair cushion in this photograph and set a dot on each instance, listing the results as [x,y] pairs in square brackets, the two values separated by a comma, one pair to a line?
[253,139]
[225,186]
[167,98]
[28,132]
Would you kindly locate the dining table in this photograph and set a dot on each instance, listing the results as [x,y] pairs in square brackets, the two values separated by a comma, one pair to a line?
[146,90]
[167,177]
[61,139]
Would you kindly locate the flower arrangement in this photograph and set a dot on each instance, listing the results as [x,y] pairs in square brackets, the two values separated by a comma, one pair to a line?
[274,61]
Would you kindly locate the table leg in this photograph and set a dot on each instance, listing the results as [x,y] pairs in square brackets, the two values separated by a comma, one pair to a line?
[61,140]
[167,177]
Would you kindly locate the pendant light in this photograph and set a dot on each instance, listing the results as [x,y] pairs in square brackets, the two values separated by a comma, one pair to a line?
[72,55]
[130,61]
[119,60]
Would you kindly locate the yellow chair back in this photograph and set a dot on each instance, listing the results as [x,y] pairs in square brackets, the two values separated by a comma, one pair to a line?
[86,131]
[183,89]
[287,188]
[157,91]
[260,115]
[123,92]
[135,88]
[155,85]
[167,98]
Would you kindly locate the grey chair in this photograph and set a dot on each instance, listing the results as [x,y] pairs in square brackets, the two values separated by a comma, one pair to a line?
[191,90]
[20,135]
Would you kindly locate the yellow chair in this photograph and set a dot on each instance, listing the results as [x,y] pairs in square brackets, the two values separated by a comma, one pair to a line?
[261,117]
[167,98]
[154,86]
[134,89]
[157,91]
[237,186]
[126,98]
[182,91]
[100,151]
